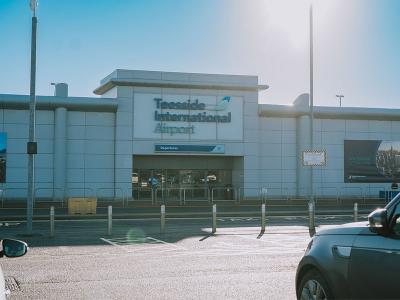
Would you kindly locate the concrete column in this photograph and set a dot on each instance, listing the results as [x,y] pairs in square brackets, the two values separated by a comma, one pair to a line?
[303,143]
[60,152]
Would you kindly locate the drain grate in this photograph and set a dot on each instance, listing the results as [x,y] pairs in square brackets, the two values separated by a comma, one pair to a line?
[11,284]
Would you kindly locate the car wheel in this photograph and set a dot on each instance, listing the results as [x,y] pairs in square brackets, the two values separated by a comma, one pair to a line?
[313,286]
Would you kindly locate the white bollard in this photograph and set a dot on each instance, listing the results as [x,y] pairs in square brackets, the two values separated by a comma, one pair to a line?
[109,231]
[214,218]
[162,219]
[263,217]
[311,215]
[51,221]
[356,212]
[264,193]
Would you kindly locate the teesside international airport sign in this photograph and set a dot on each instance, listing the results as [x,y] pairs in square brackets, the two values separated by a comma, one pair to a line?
[196,112]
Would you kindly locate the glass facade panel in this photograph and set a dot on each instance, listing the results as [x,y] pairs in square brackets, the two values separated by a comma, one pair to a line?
[141,189]
[181,184]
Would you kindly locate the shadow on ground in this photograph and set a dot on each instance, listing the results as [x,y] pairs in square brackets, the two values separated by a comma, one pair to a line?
[90,232]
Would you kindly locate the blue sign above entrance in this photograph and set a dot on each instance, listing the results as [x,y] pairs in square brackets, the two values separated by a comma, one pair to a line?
[217,149]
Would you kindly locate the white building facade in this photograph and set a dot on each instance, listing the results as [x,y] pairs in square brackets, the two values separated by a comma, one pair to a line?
[199,135]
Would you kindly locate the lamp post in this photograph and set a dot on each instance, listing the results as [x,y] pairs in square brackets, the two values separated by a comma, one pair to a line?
[340,99]
[31,145]
[311,103]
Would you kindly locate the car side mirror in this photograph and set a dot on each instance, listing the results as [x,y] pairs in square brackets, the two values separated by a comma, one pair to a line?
[378,221]
[13,248]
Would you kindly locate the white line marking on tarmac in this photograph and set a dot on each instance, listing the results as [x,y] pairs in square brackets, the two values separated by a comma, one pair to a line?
[277,244]
[280,244]
[113,244]
[142,246]
[166,243]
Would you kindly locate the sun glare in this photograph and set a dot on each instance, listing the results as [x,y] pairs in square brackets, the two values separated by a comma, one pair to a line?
[291,18]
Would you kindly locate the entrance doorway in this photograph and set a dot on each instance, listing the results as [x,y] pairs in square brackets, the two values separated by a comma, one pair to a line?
[181,178]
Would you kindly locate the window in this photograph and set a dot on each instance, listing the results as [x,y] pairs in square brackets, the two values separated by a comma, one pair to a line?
[197,183]
[3,151]
[396,220]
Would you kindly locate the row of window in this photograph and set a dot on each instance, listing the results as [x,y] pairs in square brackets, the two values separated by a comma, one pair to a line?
[171,178]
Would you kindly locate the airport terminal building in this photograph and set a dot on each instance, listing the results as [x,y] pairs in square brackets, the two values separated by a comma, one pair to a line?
[186,136]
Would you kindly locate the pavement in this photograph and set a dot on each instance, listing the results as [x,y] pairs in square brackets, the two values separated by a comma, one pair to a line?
[186,261]
[137,261]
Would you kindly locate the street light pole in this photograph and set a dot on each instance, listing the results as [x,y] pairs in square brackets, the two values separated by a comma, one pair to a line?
[311,103]
[31,146]
[340,99]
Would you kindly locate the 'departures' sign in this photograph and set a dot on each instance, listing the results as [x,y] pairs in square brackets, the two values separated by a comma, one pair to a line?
[215,149]
[371,161]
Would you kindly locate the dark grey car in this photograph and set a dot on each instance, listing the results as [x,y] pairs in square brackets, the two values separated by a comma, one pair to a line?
[354,261]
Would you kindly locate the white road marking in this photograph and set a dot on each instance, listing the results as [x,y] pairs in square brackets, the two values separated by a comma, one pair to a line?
[287,243]
[218,245]
[144,246]
[113,244]
[166,243]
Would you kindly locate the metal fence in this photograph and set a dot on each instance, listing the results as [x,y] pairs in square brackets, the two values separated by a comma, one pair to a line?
[111,195]
[49,195]
[184,195]
[328,193]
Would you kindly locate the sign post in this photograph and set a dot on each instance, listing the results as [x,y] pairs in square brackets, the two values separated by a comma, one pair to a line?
[31,146]
[312,158]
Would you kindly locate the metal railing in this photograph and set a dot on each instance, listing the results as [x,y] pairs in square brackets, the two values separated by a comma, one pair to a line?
[13,193]
[380,193]
[301,194]
[169,194]
[277,194]
[111,196]
[351,193]
[196,194]
[143,194]
[77,192]
[262,194]
[49,195]
[183,195]
[248,194]
[328,193]
[223,194]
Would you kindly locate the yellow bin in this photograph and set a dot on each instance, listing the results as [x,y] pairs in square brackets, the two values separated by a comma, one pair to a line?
[82,206]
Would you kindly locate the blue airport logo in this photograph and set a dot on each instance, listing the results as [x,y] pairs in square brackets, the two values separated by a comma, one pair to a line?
[221,105]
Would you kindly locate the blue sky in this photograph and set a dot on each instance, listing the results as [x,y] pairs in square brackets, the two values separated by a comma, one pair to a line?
[357,45]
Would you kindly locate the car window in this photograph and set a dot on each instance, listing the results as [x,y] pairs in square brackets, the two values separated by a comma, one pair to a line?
[391,206]
[396,220]
[396,226]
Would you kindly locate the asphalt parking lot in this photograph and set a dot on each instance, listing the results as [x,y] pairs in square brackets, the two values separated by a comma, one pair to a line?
[138,262]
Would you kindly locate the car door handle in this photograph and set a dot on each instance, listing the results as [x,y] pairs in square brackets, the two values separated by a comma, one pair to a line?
[341,251]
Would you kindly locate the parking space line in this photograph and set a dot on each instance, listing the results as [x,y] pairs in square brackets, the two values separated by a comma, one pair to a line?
[278,244]
[113,244]
[145,244]
[166,243]
[281,244]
